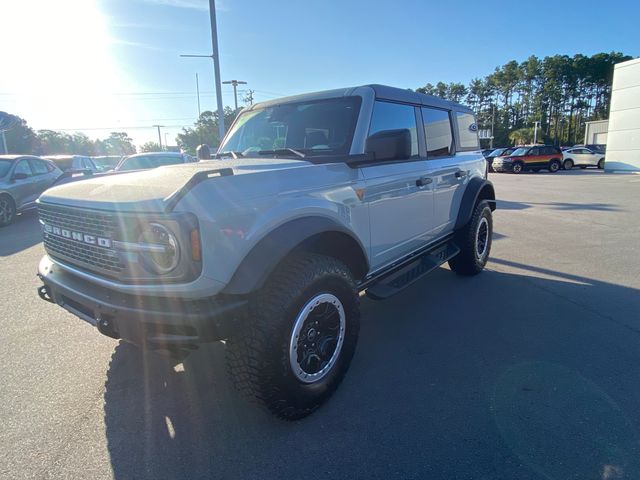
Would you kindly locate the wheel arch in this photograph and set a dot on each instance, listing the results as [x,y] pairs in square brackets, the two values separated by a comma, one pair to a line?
[478,189]
[312,234]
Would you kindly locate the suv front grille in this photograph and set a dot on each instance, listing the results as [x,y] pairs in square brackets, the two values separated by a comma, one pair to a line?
[65,235]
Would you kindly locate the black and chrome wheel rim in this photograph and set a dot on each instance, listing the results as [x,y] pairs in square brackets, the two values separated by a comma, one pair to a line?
[482,238]
[553,167]
[317,338]
[517,168]
[6,210]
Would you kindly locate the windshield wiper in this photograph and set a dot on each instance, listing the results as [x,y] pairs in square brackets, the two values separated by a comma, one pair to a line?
[231,154]
[282,151]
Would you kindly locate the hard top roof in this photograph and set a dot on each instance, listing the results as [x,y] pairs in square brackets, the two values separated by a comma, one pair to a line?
[382,92]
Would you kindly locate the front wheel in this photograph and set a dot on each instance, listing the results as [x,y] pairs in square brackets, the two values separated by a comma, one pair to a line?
[568,164]
[7,210]
[518,167]
[296,346]
[474,241]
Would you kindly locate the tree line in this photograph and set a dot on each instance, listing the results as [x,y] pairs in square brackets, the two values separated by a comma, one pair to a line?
[25,140]
[560,92]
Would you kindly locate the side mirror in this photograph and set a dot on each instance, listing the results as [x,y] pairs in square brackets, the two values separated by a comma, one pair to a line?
[389,145]
[20,176]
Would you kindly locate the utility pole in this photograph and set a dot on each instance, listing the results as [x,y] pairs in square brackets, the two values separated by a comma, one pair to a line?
[216,66]
[166,143]
[535,132]
[198,93]
[235,84]
[5,150]
[249,97]
[159,135]
[493,114]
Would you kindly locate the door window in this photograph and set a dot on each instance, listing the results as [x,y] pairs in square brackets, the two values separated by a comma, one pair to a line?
[395,116]
[23,167]
[39,167]
[534,152]
[437,131]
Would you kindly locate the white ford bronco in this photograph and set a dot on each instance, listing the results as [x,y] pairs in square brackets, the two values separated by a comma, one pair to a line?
[310,201]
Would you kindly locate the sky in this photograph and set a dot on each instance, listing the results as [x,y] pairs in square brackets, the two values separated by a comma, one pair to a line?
[98,66]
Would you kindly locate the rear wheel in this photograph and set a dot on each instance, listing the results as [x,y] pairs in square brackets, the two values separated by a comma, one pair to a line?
[568,164]
[296,346]
[518,167]
[7,210]
[601,163]
[554,166]
[474,241]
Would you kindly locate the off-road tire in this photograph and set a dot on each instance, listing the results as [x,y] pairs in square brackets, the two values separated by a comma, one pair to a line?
[258,355]
[468,262]
[568,164]
[7,210]
[518,167]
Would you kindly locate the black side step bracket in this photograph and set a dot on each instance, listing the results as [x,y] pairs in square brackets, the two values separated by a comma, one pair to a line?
[414,271]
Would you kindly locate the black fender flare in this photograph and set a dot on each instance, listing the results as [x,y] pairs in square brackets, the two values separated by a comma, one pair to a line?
[258,264]
[477,189]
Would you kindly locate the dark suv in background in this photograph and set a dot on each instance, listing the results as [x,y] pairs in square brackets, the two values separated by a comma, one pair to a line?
[498,152]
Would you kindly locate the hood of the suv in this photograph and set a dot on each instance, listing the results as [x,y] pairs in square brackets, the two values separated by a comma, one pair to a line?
[150,190]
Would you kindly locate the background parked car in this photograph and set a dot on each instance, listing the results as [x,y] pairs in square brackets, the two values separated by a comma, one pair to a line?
[498,152]
[144,161]
[22,179]
[534,158]
[582,157]
[107,162]
[74,163]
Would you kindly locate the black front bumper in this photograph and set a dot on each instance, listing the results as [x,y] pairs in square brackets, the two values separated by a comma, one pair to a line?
[157,322]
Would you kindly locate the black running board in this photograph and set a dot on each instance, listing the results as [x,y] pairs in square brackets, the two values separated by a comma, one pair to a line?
[411,273]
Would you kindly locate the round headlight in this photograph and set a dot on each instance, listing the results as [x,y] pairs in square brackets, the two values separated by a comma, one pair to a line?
[161,252]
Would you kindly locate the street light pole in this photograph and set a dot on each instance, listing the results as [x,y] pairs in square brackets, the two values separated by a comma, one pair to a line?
[216,66]
[235,84]
[535,132]
[159,135]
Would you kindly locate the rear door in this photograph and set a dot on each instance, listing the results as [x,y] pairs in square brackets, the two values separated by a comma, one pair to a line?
[43,177]
[23,189]
[399,193]
[448,175]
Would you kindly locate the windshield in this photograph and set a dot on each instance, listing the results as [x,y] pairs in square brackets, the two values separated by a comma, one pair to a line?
[148,161]
[496,153]
[518,152]
[5,165]
[313,127]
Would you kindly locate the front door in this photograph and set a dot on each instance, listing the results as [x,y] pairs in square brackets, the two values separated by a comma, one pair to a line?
[399,193]
[23,189]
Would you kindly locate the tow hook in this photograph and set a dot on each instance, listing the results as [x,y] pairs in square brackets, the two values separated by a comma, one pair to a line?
[44,294]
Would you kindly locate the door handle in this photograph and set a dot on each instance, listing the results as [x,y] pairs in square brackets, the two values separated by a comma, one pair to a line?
[422,181]
[461,174]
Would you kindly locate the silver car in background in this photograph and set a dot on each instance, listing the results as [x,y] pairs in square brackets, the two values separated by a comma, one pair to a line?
[22,179]
[582,157]
[145,161]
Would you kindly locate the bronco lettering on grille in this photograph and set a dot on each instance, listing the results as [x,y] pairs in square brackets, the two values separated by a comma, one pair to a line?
[78,236]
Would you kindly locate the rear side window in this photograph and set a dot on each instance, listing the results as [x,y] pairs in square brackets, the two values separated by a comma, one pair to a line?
[437,131]
[39,167]
[395,116]
[23,167]
[467,131]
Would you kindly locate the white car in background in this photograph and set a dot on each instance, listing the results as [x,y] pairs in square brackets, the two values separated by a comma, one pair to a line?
[582,157]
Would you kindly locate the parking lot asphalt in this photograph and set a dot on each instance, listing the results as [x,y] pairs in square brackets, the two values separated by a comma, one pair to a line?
[527,371]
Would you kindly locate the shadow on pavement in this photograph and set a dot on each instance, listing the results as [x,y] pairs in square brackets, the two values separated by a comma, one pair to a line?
[600,207]
[23,233]
[498,376]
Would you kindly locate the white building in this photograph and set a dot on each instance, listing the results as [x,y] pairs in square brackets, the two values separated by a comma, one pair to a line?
[596,132]
[623,138]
